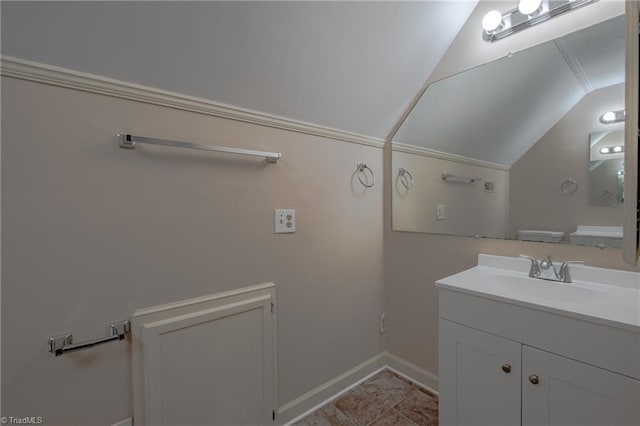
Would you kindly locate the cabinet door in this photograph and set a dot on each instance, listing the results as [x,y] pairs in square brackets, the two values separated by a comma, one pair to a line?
[569,392]
[479,377]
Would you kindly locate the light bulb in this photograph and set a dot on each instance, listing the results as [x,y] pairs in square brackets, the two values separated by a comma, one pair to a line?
[492,21]
[617,148]
[609,116]
[604,150]
[529,7]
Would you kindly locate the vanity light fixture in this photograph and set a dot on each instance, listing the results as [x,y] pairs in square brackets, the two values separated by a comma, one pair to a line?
[612,149]
[526,15]
[611,117]
[530,7]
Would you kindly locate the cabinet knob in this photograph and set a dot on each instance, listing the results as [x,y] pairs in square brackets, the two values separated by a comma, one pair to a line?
[506,368]
[534,379]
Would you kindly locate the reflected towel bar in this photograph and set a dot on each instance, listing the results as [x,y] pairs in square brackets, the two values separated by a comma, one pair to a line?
[459,179]
[129,141]
[63,343]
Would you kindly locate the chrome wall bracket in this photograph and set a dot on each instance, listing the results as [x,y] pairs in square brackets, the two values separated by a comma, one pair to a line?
[64,342]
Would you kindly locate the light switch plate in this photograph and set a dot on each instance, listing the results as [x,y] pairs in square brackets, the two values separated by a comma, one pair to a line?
[285,221]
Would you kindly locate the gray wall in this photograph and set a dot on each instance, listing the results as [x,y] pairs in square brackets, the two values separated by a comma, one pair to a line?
[414,261]
[535,199]
[91,232]
[349,65]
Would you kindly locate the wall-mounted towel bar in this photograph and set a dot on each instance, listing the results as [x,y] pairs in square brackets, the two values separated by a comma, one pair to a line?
[128,141]
[459,179]
[63,343]
[406,178]
[362,176]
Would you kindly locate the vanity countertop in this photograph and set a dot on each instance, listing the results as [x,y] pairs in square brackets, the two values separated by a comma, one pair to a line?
[605,296]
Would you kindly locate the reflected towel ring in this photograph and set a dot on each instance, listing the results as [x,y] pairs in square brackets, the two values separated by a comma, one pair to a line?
[407,182]
[569,186]
[360,171]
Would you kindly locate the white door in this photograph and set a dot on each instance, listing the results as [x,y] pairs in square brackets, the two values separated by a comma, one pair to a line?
[479,377]
[206,361]
[563,392]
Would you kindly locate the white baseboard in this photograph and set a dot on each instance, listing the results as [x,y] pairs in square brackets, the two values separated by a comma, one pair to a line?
[305,404]
[125,422]
[422,377]
[294,410]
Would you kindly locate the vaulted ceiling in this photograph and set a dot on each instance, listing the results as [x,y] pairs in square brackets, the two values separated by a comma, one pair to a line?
[496,112]
[352,66]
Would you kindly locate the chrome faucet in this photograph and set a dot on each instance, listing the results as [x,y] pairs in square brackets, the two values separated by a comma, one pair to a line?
[546,270]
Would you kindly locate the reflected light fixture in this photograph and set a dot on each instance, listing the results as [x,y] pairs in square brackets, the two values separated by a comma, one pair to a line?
[612,149]
[526,15]
[611,117]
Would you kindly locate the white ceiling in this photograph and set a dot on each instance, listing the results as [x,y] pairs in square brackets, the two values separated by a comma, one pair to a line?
[353,66]
[497,111]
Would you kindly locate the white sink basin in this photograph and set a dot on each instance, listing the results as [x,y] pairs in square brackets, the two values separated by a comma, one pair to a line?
[605,296]
[543,291]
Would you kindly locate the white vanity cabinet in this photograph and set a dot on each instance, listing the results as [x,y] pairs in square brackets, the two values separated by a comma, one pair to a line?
[560,391]
[489,380]
[515,350]
[479,377]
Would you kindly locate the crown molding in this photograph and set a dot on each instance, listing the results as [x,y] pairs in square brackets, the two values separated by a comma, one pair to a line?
[426,152]
[63,77]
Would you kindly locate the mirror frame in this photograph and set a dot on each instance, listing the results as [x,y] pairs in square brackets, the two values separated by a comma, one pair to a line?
[630,250]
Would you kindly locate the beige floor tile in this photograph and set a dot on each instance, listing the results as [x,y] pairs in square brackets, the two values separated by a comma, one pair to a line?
[328,415]
[389,387]
[420,407]
[393,418]
[360,406]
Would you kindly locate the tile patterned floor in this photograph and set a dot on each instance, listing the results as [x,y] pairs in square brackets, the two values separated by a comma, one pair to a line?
[384,399]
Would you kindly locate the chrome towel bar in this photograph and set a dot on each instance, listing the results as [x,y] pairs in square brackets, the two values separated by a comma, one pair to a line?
[129,141]
[63,343]
[459,179]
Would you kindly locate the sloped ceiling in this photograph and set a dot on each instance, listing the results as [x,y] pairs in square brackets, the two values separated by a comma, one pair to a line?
[353,66]
[499,110]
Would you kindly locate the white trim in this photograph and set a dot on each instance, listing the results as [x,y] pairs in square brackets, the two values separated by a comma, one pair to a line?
[125,422]
[335,396]
[63,77]
[412,372]
[315,398]
[427,152]
[306,404]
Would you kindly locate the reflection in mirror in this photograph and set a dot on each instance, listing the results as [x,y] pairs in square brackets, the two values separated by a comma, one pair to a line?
[521,124]
[606,168]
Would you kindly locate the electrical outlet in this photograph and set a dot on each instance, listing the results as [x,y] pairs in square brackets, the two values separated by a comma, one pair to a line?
[440,212]
[285,221]
[382,325]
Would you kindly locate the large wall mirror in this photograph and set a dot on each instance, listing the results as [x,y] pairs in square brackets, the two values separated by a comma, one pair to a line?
[504,150]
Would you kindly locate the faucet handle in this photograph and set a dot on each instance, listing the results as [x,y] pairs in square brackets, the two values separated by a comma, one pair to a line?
[535,267]
[564,270]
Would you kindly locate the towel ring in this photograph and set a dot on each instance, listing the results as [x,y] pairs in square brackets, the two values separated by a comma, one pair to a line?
[360,171]
[407,182]
[569,186]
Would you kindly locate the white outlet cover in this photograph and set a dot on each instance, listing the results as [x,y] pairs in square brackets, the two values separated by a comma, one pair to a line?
[440,212]
[284,221]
